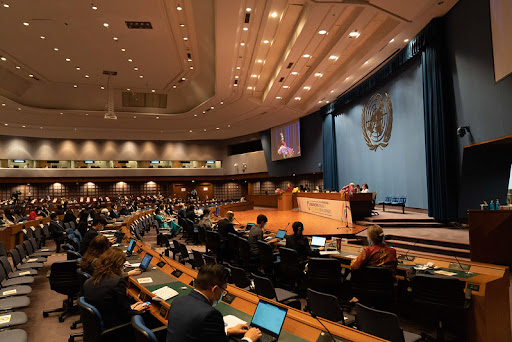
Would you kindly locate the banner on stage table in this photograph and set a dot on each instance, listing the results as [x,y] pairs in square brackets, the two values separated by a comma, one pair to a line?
[336,210]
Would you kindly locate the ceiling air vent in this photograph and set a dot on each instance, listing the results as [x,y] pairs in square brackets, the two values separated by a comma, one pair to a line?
[289,66]
[281,79]
[152,100]
[247,17]
[144,25]
[110,73]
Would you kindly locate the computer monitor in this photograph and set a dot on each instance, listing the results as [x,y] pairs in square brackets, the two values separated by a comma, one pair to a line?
[281,233]
[131,246]
[145,262]
[318,241]
[269,318]
[217,212]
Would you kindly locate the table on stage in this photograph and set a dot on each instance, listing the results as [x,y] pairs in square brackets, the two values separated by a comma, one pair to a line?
[332,205]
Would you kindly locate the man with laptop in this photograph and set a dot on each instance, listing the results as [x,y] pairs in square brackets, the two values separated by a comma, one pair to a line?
[193,317]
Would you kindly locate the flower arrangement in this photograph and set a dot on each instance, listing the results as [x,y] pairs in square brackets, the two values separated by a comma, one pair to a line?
[295,190]
[279,191]
[347,190]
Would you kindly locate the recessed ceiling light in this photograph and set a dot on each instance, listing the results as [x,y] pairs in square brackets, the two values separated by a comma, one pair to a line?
[41,127]
[237,76]
[158,117]
[306,55]
[7,6]
[297,98]
[3,59]
[30,75]
[86,76]
[23,126]
[248,9]
[26,24]
[68,59]
[320,101]
[266,41]
[191,68]
[212,107]
[153,90]
[195,114]
[245,28]
[141,76]
[326,101]
[237,68]
[306,88]
[185,38]
[128,89]
[6,124]
[259,61]
[105,24]
[18,67]
[274,14]
[94,7]
[123,50]
[332,91]
[115,38]
[250,88]
[278,97]
[294,73]
[3,104]
[174,86]
[392,40]
[322,32]
[183,78]
[56,49]
[318,74]
[75,129]
[236,85]
[75,86]
[179,8]
[135,68]
[204,111]
[77,68]
[221,102]
[61,113]
[254,76]
[217,128]
[19,108]
[190,131]
[42,37]
[102,88]
[135,117]
[182,25]
[286,87]
[242,44]
[229,125]
[190,60]
[86,114]
[366,62]
[354,34]
[406,40]
[333,57]
[346,79]
[130,60]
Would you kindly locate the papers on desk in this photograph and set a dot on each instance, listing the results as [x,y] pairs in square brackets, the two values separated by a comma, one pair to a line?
[108,235]
[135,264]
[351,256]
[145,280]
[165,293]
[5,319]
[445,273]
[329,252]
[230,321]
[45,250]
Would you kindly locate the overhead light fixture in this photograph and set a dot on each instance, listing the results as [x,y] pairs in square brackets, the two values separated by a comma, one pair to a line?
[229,125]
[30,75]
[406,40]
[158,117]
[94,7]
[306,88]
[354,34]
[23,126]
[191,68]
[123,50]
[242,44]
[183,78]
[179,8]
[182,25]
[135,68]
[297,98]
[254,76]
[204,130]
[141,76]
[189,60]
[3,59]
[7,6]
[237,68]
[326,101]
[130,60]
[102,88]
[128,89]
[250,88]
[105,24]
[346,79]
[366,62]
[259,61]
[294,73]
[278,97]
[18,67]
[318,74]
[174,86]
[212,107]
[274,15]
[77,68]
[185,38]
[190,131]
[332,91]
[195,114]
[392,40]
[153,90]
[322,32]
[236,85]
[86,76]
[204,111]
[19,108]
[68,59]
[286,87]
[75,86]
[246,29]
[26,24]
[306,55]
[248,9]
[115,38]
[237,76]
[266,41]
[6,124]
[42,37]
[320,101]
[333,57]
[56,49]
[3,104]
[217,128]
[135,117]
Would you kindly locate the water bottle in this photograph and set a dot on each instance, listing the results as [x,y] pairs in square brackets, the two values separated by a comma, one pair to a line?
[491,206]
[497,204]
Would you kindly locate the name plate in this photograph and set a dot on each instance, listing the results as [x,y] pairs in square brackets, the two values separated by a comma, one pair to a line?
[31,260]
[24,273]
[145,280]
[5,319]
[10,292]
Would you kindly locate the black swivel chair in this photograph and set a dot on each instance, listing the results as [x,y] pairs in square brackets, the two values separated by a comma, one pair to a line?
[290,267]
[198,259]
[201,234]
[443,296]
[382,324]
[213,242]
[374,287]
[5,281]
[266,257]
[185,256]
[327,306]
[324,275]
[263,287]
[175,249]
[232,247]
[247,261]
[240,278]
[93,325]
[19,264]
[144,334]
[4,262]
[64,279]
[83,277]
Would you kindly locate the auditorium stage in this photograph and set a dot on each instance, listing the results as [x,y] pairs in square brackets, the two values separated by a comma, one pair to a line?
[313,224]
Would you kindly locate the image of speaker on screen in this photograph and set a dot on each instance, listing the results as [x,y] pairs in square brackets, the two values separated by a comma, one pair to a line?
[286,141]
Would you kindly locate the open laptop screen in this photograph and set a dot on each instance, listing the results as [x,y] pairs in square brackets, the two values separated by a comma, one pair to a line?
[281,233]
[318,241]
[145,262]
[131,246]
[269,317]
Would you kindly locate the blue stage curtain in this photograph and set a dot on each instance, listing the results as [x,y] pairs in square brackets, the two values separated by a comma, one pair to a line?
[439,127]
[330,160]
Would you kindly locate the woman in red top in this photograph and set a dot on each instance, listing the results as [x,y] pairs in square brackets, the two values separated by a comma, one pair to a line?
[378,253]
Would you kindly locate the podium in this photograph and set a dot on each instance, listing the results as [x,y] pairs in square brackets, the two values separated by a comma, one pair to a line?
[285,201]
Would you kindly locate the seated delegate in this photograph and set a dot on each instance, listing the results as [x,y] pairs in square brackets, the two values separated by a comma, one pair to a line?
[300,243]
[378,253]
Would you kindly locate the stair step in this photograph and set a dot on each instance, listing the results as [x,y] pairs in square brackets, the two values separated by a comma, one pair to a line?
[435,249]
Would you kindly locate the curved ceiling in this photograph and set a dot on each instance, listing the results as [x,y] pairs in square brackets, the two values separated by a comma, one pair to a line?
[204,70]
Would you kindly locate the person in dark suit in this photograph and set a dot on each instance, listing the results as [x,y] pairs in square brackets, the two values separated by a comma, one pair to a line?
[106,291]
[192,318]
[300,243]
[57,231]
[225,226]
[97,224]
[124,210]
[69,217]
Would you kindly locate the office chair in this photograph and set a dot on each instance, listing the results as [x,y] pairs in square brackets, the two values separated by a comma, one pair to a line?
[201,234]
[17,318]
[266,257]
[327,306]
[20,265]
[5,281]
[144,334]
[198,259]
[72,255]
[232,249]
[374,286]
[29,249]
[83,277]
[185,256]
[209,259]
[14,274]
[263,287]
[213,242]
[14,335]
[240,278]
[14,302]
[37,249]
[290,267]
[25,257]
[324,275]
[444,296]
[93,325]
[247,261]
[382,324]
[64,280]
[3,251]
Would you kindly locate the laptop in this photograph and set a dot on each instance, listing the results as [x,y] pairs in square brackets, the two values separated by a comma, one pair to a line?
[269,319]
[249,226]
[131,246]
[317,242]
[144,264]
[281,233]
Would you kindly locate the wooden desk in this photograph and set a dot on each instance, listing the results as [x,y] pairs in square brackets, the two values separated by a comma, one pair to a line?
[13,235]
[361,204]
[489,315]
[297,323]
[239,206]
[285,201]
[263,200]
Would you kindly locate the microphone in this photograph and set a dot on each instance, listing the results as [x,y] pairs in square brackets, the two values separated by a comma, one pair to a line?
[406,253]
[319,321]
[460,265]
[163,262]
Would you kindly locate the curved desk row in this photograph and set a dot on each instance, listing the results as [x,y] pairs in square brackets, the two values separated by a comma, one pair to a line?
[298,325]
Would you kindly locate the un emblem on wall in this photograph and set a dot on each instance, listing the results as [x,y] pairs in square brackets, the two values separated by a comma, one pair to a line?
[377,121]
